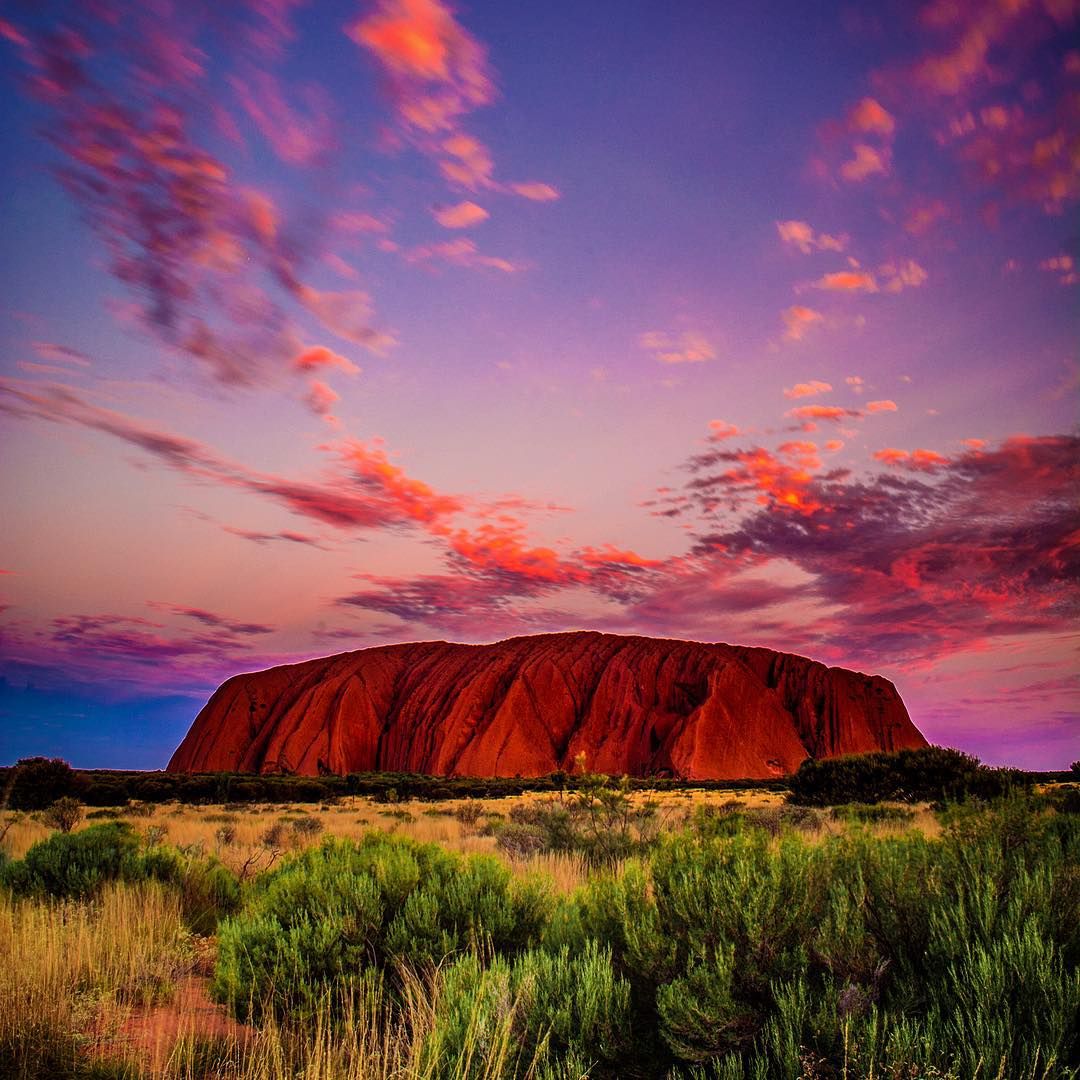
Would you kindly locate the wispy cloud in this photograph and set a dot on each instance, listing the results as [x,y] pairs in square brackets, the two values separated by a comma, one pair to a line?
[799,320]
[801,235]
[686,347]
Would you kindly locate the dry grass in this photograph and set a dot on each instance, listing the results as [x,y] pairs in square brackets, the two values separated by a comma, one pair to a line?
[235,835]
[117,982]
[73,972]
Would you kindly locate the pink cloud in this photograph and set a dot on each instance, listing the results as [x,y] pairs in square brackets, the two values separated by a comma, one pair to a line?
[688,347]
[801,235]
[321,399]
[298,138]
[923,216]
[437,73]
[1062,265]
[911,567]
[807,389]
[461,252]
[315,357]
[438,70]
[62,354]
[346,313]
[358,222]
[368,494]
[460,216]
[869,116]
[880,406]
[907,274]
[535,191]
[798,320]
[466,162]
[213,619]
[201,258]
[832,413]
[865,162]
[922,460]
[847,281]
[721,429]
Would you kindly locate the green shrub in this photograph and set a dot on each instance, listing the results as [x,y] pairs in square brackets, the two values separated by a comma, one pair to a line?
[539,1012]
[857,955]
[323,917]
[872,814]
[75,864]
[105,793]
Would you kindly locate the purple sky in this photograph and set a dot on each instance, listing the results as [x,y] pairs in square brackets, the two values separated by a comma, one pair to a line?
[329,325]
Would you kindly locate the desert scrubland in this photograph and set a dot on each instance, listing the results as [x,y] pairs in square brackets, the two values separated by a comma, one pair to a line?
[598,932]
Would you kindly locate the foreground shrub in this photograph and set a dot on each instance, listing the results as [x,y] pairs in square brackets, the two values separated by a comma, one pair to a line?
[542,1011]
[872,814]
[75,865]
[324,917]
[852,956]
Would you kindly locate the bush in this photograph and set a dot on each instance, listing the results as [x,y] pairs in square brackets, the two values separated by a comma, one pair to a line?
[856,955]
[600,821]
[105,793]
[307,826]
[64,814]
[209,892]
[324,917]
[469,814]
[543,1010]
[75,864]
[933,773]
[36,783]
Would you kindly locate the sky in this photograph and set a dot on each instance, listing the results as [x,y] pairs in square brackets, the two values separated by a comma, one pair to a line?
[329,325]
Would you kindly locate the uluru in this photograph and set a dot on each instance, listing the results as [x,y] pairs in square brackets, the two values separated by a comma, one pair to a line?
[529,706]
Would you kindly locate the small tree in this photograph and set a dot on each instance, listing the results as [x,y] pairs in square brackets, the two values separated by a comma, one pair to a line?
[38,782]
[64,814]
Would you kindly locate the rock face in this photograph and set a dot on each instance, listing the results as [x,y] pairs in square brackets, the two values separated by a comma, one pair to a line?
[530,705]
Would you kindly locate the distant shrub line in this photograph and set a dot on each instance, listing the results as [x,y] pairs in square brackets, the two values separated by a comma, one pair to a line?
[36,783]
[933,773]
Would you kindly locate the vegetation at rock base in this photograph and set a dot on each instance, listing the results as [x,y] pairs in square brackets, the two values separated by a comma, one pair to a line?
[723,937]
[931,773]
